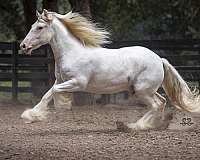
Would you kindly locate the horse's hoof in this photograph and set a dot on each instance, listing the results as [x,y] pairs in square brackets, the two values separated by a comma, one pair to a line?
[30,116]
[122,127]
[26,116]
[165,122]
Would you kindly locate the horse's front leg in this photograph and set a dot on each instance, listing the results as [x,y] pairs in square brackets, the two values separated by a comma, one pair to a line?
[40,111]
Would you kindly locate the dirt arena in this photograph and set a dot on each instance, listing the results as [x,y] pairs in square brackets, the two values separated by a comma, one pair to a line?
[90,133]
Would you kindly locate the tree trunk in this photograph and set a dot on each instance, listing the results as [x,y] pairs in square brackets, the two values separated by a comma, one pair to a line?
[81,6]
[29,13]
[50,5]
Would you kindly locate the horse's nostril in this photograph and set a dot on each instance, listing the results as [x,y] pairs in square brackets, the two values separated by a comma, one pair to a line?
[23,46]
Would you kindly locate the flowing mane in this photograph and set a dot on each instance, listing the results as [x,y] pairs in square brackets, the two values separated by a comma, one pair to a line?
[84,30]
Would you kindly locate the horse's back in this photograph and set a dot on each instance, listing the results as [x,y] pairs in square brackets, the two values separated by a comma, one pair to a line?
[138,56]
[139,52]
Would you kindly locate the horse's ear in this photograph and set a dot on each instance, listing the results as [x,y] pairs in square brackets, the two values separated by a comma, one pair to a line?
[47,15]
[37,14]
[45,12]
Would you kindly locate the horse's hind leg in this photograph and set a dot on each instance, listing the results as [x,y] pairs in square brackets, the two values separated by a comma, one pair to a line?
[153,118]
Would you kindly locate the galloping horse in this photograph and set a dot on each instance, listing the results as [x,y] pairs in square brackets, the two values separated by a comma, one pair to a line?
[81,64]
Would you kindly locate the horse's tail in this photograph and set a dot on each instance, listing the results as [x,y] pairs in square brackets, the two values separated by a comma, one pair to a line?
[178,91]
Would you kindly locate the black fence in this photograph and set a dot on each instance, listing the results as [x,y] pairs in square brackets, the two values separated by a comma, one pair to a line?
[15,66]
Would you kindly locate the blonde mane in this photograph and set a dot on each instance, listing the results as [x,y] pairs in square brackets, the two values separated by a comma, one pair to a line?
[84,30]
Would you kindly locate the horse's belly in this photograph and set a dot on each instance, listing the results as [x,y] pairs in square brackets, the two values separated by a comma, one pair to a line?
[107,88]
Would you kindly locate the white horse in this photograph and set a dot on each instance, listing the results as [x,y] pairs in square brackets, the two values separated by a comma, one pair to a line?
[81,64]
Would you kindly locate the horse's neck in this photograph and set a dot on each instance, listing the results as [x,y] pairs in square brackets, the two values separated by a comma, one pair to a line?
[63,43]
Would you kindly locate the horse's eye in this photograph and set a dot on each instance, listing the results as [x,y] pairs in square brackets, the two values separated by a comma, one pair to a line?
[39,28]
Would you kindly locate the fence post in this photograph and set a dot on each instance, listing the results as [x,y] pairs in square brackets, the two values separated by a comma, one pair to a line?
[14,70]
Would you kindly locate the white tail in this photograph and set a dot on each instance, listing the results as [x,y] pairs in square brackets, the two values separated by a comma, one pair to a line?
[178,91]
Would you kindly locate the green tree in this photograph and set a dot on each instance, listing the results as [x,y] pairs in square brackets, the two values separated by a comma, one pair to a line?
[147,19]
[126,19]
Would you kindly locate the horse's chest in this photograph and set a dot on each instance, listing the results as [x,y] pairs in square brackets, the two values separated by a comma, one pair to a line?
[64,72]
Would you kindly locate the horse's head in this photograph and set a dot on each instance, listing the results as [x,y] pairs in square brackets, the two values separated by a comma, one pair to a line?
[82,30]
[41,32]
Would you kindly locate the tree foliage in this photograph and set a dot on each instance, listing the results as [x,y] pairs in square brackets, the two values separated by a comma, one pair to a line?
[147,19]
[11,20]
[126,19]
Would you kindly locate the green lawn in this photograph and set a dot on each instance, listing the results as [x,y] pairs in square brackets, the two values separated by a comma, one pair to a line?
[22,97]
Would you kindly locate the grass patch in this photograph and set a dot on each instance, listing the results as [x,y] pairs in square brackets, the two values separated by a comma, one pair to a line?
[5,96]
[6,84]
[24,84]
[20,84]
[23,97]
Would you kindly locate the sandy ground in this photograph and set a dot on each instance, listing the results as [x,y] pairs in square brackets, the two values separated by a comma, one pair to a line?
[90,133]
